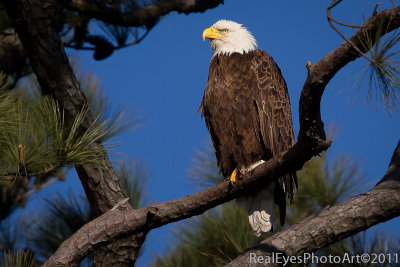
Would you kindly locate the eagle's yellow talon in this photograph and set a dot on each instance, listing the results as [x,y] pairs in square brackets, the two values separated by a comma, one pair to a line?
[232,178]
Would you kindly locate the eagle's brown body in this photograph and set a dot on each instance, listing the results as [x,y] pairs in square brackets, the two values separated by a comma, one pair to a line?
[247,111]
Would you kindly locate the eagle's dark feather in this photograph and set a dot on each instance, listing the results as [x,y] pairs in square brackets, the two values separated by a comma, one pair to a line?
[247,110]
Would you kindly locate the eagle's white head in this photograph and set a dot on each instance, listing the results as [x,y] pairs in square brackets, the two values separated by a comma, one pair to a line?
[229,37]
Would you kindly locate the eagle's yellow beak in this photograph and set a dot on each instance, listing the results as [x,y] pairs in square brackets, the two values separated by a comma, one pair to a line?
[211,33]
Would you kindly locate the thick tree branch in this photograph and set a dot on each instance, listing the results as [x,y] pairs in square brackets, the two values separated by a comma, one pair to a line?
[378,205]
[145,16]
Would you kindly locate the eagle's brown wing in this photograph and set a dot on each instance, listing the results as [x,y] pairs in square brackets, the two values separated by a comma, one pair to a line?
[275,117]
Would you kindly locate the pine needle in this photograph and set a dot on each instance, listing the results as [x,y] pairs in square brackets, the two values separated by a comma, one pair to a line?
[19,259]
[384,70]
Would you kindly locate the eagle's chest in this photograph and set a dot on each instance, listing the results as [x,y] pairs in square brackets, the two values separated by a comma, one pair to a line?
[229,79]
[231,89]
[230,102]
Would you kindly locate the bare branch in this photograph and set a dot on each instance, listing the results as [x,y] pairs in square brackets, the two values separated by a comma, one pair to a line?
[320,73]
[332,224]
[332,5]
[145,16]
[330,19]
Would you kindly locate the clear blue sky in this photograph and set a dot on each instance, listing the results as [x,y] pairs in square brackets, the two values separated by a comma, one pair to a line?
[165,75]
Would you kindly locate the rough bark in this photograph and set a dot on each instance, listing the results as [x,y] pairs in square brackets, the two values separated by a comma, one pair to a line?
[311,141]
[332,224]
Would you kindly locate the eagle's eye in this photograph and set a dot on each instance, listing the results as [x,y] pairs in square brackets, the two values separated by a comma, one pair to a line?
[225,30]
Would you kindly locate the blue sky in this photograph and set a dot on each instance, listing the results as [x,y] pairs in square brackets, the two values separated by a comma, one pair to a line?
[164,78]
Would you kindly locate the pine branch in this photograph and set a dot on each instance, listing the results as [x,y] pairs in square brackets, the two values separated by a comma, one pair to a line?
[145,16]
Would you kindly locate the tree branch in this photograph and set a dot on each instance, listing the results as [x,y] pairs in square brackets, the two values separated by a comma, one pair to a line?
[332,224]
[145,16]
[115,224]
[320,73]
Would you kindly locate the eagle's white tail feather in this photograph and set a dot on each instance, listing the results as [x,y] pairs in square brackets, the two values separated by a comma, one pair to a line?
[261,209]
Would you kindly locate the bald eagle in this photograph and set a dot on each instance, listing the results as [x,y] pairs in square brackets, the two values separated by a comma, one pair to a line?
[247,111]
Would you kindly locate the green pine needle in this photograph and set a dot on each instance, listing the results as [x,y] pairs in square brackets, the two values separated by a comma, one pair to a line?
[384,69]
[35,136]
[19,259]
